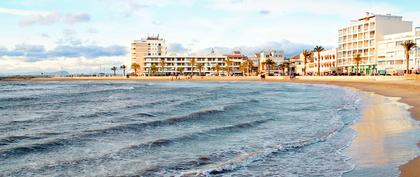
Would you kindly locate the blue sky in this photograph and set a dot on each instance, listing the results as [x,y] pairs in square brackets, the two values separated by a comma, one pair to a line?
[80,35]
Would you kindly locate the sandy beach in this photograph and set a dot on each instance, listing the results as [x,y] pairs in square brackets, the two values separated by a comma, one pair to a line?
[407,90]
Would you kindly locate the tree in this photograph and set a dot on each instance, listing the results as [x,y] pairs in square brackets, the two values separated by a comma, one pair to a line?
[408,46]
[123,67]
[162,64]
[243,68]
[283,68]
[217,68]
[135,67]
[228,64]
[269,63]
[192,63]
[114,68]
[306,54]
[200,67]
[180,70]
[154,69]
[357,58]
[319,49]
[249,65]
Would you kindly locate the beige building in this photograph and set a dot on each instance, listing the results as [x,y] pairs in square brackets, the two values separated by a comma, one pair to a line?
[362,36]
[391,54]
[237,59]
[148,47]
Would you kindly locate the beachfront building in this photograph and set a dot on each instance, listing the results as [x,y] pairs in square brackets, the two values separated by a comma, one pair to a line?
[391,54]
[152,56]
[147,47]
[328,62]
[277,56]
[296,64]
[362,36]
[236,59]
[181,64]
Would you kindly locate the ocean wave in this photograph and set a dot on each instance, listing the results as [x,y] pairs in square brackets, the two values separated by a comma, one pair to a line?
[78,138]
[244,159]
[127,151]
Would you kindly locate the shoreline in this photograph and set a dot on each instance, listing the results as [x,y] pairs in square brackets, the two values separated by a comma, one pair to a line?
[407,90]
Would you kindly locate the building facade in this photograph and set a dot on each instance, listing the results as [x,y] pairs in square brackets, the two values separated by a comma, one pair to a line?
[277,56]
[148,47]
[391,54]
[174,64]
[237,59]
[328,62]
[362,37]
[152,56]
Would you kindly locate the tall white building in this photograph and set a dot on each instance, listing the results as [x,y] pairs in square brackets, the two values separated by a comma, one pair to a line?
[148,47]
[391,54]
[362,36]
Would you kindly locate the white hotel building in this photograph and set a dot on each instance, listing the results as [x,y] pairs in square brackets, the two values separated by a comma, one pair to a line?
[152,50]
[391,55]
[362,37]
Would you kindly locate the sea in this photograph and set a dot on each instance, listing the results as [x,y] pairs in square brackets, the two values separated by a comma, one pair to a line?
[132,128]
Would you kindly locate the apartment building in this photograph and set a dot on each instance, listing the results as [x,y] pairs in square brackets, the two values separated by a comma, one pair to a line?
[391,54]
[147,47]
[237,59]
[328,62]
[152,52]
[181,63]
[277,56]
[296,64]
[362,36]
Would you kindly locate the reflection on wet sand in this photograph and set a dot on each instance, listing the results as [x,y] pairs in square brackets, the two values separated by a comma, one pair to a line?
[386,137]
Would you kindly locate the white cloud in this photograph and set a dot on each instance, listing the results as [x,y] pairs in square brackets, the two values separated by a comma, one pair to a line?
[343,8]
[72,65]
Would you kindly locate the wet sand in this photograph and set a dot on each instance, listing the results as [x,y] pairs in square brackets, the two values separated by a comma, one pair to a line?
[382,122]
[372,129]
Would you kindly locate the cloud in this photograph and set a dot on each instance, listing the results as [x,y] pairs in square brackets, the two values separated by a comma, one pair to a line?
[38,52]
[288,47]
[178,48]
[343,8]
[12,66]
[55,17]
[264,12]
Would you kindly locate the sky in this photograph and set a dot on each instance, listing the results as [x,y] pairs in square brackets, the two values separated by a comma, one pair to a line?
[85,36]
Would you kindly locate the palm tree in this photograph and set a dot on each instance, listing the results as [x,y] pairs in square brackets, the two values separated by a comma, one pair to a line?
[192,63]
[408,45]
[135,67]
[357,58]
[180,70]
[306,54]
[200,67]
[154,69]
[269,63]
[283,68]
[243,68]
[114,68]
[123,67]
[217,68]
[162,64]
[319,49]
[228,64]
[249,65]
